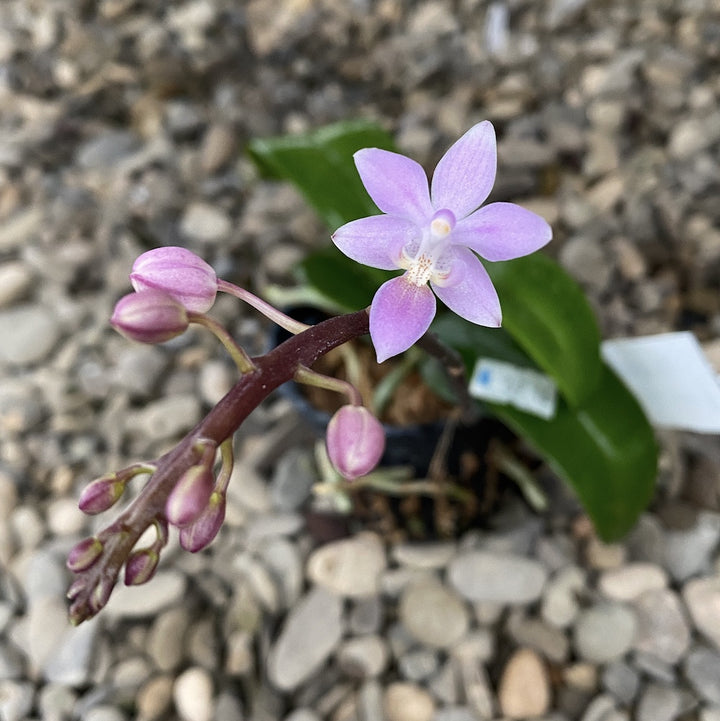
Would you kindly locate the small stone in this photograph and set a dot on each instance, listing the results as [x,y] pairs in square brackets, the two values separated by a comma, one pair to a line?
[217,148]
[167,589]
[498,577]
[433,615]
[350,567]
[524,688]
[662,630]
[560,605]
[292,479]
[166,639]
[64,518]
[311,632]
[688,552]
[604,555]
[702,598]
[426,556]
[366,615]
[407,702]
[702,668]
[106,150]
[155,697]
[165,418]
[16,700]
[599,709]
[549,641]
[622,681]
[592,640]
[658,703]
[205,223]
[104,713]
[15,280]
[628,582]
[29,333]
[418,665]
[193,695]
[363,657]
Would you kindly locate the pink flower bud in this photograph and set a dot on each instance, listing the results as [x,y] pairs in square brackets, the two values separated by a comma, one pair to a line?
[140,566]
[178,272]
[355,441]
[190,496]
[101,494]
[149,316]
[203,530]
[84,554]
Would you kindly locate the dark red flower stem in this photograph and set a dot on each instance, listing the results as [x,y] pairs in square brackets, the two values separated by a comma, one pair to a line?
[91,590]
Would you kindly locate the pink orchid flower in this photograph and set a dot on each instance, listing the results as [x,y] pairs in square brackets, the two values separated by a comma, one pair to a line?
[433,234]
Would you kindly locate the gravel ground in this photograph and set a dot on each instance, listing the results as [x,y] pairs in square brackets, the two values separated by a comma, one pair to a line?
[121,126]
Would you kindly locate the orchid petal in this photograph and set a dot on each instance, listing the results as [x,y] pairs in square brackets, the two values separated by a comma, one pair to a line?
[468,290]
[376,241]
[399,314]
[465,175]
[397,185]
[502,231]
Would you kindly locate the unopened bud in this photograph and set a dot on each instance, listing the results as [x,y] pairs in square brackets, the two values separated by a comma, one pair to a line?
[190,496]
[178,272]
[84,554]
[101,494]
[355,441]
[149,316]
[140,566]
[203,530]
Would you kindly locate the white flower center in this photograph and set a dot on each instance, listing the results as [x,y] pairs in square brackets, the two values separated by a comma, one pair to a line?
[428,258]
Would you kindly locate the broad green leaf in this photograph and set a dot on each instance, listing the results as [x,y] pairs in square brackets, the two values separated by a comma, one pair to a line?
[320,165]
[604,448]
[546,312]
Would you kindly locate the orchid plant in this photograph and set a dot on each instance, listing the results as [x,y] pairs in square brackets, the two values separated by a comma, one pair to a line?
[436,234]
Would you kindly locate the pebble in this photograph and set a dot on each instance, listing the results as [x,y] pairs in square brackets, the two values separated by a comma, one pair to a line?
[154,698]
[424,556]
[702,668]
[497,577]
[688,552]
[702,598]
[622,681]
[658,703]
[433,615]
[407,702]
[628,582]
[591,638]
[16,700]
[205,223]
[193,695]
[29,333]
[167,589]
[524,688]
[662,630]
[15,281]
[166,638]
[311,632]
[363,657]
[560,605]
[350,567]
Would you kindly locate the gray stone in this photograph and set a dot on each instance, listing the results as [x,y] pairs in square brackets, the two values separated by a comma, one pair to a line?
[433,615]
[106,150]
[350,567]
[702,668]
[205,223]
[418,665]
[363,657]
[662,630]
[166,638]
[702,598]
[533,633]
[498,577]
[366,615]
[592,640]
[658,703]
[560,605]
[29,333]
[292,479]
[16,700]
[599,709]
[282,559]
[622,681]
[309,635]
[426,556]
[628,582]
[167,589]
[15,280]
[688,552]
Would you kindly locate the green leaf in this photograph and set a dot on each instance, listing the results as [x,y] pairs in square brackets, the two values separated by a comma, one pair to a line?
[546,312]
[604,448]
[346,283]
[320,165]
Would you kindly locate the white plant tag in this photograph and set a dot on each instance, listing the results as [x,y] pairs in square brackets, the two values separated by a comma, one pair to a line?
[671,378]
[526,389]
